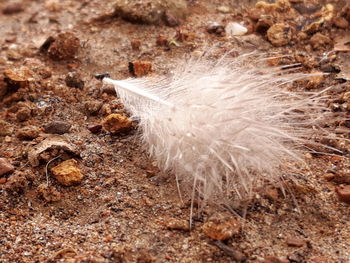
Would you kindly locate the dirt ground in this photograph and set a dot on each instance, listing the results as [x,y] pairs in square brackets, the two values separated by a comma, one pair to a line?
[117,206]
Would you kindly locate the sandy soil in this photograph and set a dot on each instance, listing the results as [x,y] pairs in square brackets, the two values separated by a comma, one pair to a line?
[124,209]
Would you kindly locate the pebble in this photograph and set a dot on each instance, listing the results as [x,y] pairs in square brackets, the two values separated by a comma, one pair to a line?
[340,22]
[224,9]
[295,242]
[235,29]
[343,193]
[5,166]
[273,259]
[177,224]
[5,128]
[162,41]
[48,193]
[23,114]
[215,28]
[93,106]
[28,133]
[140,68]
[17,78]
[67,173]
[135,44]
[64,46]
[57,127]
[13,8]
[221,227]
[338,178]
[74,80]
[319,41]
[279,34]
[95,128]
[170,12]
[16,183]
[116,123]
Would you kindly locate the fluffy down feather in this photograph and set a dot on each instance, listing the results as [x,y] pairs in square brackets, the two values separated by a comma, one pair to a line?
[223,127]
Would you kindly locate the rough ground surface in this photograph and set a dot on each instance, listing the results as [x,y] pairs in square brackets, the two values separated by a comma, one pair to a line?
[118,207]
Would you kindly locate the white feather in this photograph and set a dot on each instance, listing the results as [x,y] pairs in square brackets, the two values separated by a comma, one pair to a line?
[222,127]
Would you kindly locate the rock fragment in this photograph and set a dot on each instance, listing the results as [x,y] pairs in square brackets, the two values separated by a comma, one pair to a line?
[93,106]
[279,34]
[57,127]
[235,29]
[343,193]
[170,12]
[16,183]
[319,41]
[74,80]
[116,123]
[13,8]
[95,128]
[5,166]
[140,68]
[221,227]
[215,28]
[28,133]
[177,224]
[48,193]
[5,128]
[64,46]
[67,173]
[17,78]
[52,142]
[295,242]
[23,114]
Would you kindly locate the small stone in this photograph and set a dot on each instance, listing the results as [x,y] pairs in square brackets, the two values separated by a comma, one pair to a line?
[28,133]
[13,8]
[116,123]
[64,46]
[5,166]
[68,172]
[23,114]
[271,193]
[295,242]
[93,106]
[5,128]
[339,178]
[215,28]
[315,80]
[235,29]
[319,41]
[57,127]
[3,180]
[343,193]
[273,259]
[135,44]
[13,54]
[177,224]
[140,68]
[95,128]
[74,80]
[279,34]
[340,22]
[170,12]
[17,78]
[16,183]
[48,193]
[51,142]
[224,9]
[221,227]
[162,41]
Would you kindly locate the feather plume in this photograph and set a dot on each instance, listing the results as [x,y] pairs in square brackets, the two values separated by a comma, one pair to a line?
[222,126]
